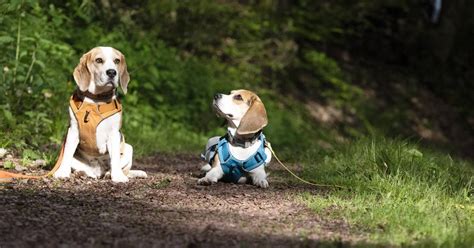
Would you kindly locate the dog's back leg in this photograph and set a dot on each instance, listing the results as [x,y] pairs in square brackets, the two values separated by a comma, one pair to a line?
[127,161]
[93,169]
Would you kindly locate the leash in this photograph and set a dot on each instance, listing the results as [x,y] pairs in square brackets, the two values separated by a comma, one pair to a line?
[299,178]
[6,176]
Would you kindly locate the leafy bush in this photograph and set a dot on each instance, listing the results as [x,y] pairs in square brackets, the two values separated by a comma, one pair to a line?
[33,83]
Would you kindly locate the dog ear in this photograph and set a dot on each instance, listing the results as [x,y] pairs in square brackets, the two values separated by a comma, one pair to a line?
[254,120]
[81,73]
[124,76]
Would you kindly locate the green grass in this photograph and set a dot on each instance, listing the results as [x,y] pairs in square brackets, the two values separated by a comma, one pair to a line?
[171,138]
[397,193]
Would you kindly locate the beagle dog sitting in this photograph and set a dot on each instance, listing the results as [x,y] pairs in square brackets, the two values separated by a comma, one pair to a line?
[242,154]
[94,143]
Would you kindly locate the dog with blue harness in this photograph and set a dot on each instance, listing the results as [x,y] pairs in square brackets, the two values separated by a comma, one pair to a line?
[241,155]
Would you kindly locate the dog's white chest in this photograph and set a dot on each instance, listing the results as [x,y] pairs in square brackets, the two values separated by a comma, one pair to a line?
[111,124]
[241,153]
[103,129]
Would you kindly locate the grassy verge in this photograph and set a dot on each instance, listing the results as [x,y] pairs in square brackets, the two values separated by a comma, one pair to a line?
[398,193]
[171,138]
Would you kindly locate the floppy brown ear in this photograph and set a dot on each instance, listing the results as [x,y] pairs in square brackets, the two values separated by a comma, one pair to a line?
[254,120]
[81,73]
[124,76]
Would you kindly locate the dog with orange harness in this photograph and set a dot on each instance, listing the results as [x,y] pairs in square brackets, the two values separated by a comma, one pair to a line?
[94,144]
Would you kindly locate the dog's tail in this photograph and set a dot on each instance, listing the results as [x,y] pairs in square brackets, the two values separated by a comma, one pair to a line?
[6,176]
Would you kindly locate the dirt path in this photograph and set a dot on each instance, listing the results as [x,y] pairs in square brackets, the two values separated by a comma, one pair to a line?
[167,209]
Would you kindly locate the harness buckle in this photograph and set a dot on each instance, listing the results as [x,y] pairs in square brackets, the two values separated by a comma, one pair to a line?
[86,116]
[258,157]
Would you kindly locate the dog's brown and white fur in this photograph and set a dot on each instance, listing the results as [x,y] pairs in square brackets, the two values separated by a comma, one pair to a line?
[245,115]
[100,70]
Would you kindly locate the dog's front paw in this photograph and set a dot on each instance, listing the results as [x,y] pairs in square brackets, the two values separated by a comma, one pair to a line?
[62,173]
[261,183]
[205,168]
[207,181]
[137,174]
[119,178]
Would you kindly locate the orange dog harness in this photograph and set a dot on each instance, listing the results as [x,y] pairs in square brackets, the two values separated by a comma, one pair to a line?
[89,116]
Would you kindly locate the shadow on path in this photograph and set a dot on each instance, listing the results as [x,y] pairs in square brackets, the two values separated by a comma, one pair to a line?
[167,209]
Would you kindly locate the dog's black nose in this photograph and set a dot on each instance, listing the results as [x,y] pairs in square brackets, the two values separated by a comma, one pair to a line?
[217,96]
[111,72]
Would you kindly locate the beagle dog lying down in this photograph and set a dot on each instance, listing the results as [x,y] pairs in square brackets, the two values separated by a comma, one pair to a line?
[94,143]
[242,154]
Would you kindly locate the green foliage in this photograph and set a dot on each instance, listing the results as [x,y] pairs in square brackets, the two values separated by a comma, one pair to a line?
[180,54]
[397,192]
[168,107]
[290,130]
[8,164]
[30,154]
[161,184]
[32,90]
[329,72]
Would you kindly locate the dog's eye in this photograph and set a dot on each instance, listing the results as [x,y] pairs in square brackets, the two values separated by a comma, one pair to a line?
[99,60]
[116,61]
[238,98]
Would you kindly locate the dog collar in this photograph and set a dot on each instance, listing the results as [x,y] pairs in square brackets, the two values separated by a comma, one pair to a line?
[244,141]
[103,97]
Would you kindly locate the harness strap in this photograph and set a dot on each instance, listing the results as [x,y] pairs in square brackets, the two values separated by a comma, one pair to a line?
[254,161]
[6,176]
[105,110]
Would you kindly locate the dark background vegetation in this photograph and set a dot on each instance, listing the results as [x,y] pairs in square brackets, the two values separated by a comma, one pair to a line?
[328,71]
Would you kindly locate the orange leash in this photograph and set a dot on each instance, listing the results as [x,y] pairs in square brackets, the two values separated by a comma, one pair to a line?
[6,176]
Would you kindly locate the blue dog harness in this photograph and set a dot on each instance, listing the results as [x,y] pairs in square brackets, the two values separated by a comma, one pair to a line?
[234,168]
